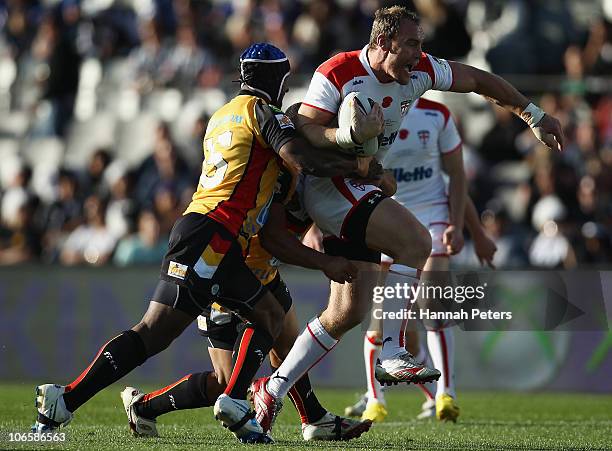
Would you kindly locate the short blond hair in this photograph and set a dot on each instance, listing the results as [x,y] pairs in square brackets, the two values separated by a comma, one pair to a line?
[387,22]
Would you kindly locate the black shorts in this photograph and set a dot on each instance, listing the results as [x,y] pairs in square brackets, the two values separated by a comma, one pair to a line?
[204,264]
[222,329]
[353,245]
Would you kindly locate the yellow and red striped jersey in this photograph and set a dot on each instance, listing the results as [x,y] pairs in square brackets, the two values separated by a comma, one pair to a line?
[240,165]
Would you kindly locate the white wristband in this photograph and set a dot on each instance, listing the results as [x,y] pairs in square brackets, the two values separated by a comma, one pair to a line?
[532,114]
[344,138]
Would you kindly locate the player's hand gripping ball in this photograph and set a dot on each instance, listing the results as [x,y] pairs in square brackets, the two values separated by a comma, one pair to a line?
[364,116]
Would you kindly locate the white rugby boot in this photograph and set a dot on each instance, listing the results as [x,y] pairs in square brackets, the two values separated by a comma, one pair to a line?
[237,416]
[140,426]
[52,411]
[404,368]
[334,427]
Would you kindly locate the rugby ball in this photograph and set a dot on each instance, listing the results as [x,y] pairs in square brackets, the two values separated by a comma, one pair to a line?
[363,102]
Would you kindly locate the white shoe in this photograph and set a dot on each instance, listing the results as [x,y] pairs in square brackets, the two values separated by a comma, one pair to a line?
[404,368]
[140,426]
[52,411]
[357,409]
[237,416]
[334,427]
[428,410]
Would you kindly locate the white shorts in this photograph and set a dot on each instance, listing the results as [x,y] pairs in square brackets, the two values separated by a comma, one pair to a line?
[330,202]
[435,217]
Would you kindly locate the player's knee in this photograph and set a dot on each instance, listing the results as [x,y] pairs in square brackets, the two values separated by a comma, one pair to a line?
[423,245]
[414,248]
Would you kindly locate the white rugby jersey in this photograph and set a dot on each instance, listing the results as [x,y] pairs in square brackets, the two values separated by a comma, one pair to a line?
[351,71]
[426,133]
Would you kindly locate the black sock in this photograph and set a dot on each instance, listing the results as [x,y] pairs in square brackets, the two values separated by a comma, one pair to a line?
[305,401]
[249,352]
[186,393]
[114,360]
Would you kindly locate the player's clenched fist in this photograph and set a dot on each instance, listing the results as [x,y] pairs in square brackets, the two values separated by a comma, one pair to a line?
[453,239]
[366,126]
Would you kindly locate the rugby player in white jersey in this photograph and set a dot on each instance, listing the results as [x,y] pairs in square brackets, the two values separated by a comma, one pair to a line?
[393,71]
[428,145]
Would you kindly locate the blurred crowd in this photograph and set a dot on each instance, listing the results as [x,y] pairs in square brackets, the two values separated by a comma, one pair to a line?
[103,105]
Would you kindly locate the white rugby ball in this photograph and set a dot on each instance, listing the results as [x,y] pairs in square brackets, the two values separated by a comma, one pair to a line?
[362,101]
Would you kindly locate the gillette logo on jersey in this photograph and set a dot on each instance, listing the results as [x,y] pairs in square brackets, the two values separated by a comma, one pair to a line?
[418,173]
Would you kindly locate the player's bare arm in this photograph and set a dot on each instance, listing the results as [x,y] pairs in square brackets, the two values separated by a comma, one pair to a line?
[285,246]
[310,160]
[315,125]
[470,79]
[484,247]
[452,164]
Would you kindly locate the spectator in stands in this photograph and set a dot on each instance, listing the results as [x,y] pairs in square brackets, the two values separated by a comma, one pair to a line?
[122,207]
[91,243]
[498,144]
[508,238]
[20,24]
[144,247]
[320,31]
[20,242]
[188,65]
[16,195]
[440,19]
[551,247]
[92,180]
[167,207]
[147,59]
[164,167]
[63,215]
[56,45]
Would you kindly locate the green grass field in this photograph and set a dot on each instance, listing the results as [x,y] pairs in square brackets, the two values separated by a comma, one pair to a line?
[541,421]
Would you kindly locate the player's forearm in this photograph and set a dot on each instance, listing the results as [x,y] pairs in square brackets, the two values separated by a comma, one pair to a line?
[318,135]
[472,219]
[288,249]
[457,200]
[316,161]
[493,87]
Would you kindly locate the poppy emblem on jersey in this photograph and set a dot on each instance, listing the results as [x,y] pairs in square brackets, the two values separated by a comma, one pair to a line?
[403,133]
[387,101]
[423,136]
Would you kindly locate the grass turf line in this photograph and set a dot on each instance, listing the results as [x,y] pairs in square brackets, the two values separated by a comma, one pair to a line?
[489,420]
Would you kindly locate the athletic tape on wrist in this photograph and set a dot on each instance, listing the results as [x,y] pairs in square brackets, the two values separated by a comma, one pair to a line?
[532,114]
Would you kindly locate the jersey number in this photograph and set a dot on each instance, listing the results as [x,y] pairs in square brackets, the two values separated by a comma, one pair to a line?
[214,166]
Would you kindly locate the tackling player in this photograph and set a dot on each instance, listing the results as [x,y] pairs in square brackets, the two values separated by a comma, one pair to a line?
[205,261]
[393,71]
[221,329]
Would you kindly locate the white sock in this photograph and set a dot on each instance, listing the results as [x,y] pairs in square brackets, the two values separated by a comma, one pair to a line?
[371,350]
[310,347]
[441,344]
[393,329]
